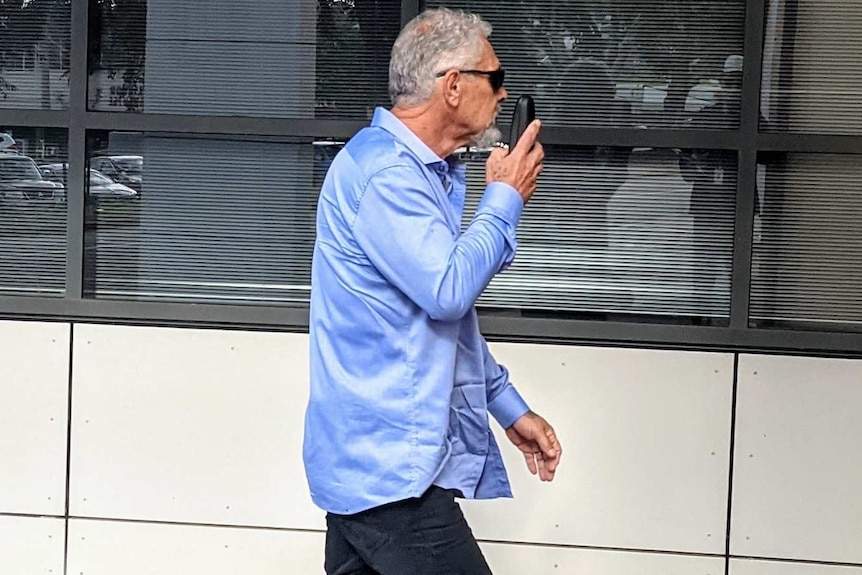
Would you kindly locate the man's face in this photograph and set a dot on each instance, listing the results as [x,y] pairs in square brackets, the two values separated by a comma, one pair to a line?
[481,102]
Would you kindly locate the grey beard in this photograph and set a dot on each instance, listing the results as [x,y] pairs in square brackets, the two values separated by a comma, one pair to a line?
[487,138]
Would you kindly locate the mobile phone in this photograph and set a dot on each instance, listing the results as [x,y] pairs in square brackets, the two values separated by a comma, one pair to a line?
[524,114]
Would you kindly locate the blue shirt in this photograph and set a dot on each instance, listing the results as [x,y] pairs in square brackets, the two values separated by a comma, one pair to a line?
[401,379]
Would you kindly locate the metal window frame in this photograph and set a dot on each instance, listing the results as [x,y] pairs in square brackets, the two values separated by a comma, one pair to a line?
[747,141]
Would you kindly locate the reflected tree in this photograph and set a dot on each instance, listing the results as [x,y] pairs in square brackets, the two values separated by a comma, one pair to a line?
[354,39]
[582,50]
[34,35]
[118,38]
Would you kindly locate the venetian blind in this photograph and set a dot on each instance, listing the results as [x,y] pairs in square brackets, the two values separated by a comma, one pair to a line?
[271,58]
[812,68]
[216,219]
[620,231]
[669,64]
[807,263]
[33,211]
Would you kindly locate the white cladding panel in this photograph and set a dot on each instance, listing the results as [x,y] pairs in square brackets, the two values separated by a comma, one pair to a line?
[798,459]
[646,438]
[34,391]
[190,425]
[31,545]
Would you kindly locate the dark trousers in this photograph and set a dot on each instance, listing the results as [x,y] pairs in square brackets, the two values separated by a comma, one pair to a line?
[422,536]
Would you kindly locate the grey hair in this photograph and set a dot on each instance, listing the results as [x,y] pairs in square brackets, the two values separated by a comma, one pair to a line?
[435,41]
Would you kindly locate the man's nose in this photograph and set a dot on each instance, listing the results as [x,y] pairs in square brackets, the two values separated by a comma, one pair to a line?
[503,93]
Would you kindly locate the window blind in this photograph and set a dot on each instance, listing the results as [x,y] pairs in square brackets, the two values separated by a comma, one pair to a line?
[33,211]
[34,54]
[812,68]
[217,219]
[668,64]
[807,259]
[303,59]
[621,231]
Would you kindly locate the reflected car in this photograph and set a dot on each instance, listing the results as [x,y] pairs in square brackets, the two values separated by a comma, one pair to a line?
[123,169]
[101,186]
[8,143]
[22,184]
[58,173]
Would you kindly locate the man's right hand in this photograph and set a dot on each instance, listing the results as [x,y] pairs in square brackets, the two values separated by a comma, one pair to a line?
[520,168]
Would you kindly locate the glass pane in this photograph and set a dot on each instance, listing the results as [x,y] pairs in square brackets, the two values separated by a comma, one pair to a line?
[34,54]
[33,211]
[304,59]
[807,265]
[812,67]
[201,219]
[664,64]
[615,232]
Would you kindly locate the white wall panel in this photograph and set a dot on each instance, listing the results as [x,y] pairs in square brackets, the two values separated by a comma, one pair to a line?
[31,545]
[34,390]
[798,459]
[525,559]
[109,548]
[749,567]
[645,437]
[190,425]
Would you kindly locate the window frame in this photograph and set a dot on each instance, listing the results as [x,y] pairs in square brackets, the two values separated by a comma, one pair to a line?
[746,141]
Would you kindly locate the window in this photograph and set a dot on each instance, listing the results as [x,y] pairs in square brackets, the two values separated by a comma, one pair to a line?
[808,246]
[206,219]
[206,128]
[616,232]
[664,64]
[33,211]
[303,59]
[34,54]
[812,67]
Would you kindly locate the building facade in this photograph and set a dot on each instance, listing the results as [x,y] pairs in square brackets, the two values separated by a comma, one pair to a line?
[685,305]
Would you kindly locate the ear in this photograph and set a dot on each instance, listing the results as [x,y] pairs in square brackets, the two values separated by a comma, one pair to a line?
[451,87]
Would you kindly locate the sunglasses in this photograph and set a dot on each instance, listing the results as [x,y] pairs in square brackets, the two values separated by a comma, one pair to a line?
[495,77]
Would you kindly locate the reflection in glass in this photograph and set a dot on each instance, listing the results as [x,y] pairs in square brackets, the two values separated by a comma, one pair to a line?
[33,211]
[34,54]
[211,219]
[807,258]
[616,232]
[667,64]
[812,67]
[311,58]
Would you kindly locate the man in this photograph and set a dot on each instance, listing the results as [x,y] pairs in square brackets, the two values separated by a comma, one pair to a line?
[401,379]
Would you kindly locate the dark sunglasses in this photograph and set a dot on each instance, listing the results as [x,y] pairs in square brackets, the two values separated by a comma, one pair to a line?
[495,77]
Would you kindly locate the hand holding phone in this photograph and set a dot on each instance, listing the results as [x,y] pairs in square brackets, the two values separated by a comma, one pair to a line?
[521,165]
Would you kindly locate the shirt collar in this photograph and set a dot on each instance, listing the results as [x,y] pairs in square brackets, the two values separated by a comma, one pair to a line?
[385,119]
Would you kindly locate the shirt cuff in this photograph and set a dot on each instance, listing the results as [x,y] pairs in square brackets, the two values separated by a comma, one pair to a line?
[508,407]
[503,201]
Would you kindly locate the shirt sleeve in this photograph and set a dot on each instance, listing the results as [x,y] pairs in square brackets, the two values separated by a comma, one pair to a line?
[401,228]
[504,402]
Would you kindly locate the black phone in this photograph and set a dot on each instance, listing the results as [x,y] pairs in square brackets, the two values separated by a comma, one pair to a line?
[524,114]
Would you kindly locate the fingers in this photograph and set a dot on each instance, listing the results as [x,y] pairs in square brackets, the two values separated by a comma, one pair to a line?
[555,443]
[537,154]
[543,471]
[531,462]
[537,462]
[528,138]
[547,445]
[497,154]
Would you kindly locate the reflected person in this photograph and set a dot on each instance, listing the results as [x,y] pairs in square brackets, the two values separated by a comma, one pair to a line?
[402,381]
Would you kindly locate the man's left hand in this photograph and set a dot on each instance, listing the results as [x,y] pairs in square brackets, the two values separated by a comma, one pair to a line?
[537,441]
